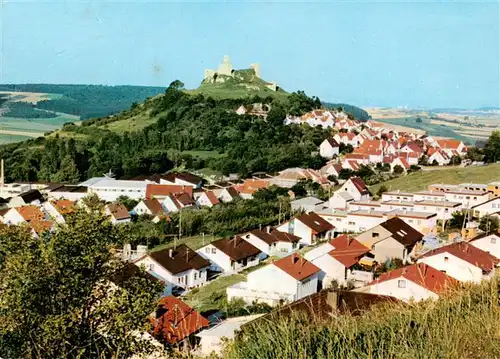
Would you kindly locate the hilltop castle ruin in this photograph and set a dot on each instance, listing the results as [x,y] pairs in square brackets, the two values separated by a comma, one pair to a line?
[226,70]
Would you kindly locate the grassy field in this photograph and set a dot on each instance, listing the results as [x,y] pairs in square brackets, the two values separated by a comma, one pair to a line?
[462,324]
[131,124]
[207,297]
[4,139]
[429,127]
[453,175]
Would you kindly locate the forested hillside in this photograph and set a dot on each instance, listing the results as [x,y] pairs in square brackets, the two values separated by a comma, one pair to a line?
[357,112]
[87,101]
[181,125]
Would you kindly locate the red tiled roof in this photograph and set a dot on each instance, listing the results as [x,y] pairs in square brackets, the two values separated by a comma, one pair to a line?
[421,274]
[64,206]
[212,197]
[405,163]
[468,253]
[163,190]
[176,320]
[153,205]
[250,186]
[347,250]
[118,211]
[296,266]
[30,213]
[449,144]
[359,184]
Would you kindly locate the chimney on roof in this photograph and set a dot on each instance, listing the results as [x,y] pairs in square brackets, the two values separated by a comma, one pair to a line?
[295,259]
[171,253]
[268,229]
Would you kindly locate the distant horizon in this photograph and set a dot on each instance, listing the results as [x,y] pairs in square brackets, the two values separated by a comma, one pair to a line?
[369,54]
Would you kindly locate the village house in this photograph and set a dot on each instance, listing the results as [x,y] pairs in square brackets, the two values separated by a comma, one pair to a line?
[452,147]
[31,197]
[117,213]
[306,204]
[310,227]
[291,176]
[411,283]
[392,239]
[248,188]
[354,189]
[443,209]
[286,280]
[150,207]
[347,138]
[273,242]
[329,148]
[335,260]
[440,156]
[229,255]
[179,267]
[207,199]
[176,322]
[488,242]
[487,208]
[331,169]
[162,191]
[25,214]
[228,194]
[255,109]
[58,209]
[462,261]
[468,198]
[424,222]
[494,188]
[70,192]
[174,203]
[213,340]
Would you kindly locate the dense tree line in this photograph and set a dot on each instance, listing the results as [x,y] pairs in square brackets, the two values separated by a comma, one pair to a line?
[58,300]
[184,122]
[354,111]
[88,101]
[26,110]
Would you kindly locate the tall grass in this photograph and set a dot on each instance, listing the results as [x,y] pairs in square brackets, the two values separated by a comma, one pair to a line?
[462,324]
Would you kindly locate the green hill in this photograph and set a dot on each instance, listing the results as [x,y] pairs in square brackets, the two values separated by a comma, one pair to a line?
[242,83]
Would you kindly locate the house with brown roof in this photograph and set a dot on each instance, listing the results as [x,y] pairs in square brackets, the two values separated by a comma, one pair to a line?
[273,242]
[231,254]
[117,213]
[174,203]
[228,194]
[354,189]
[285,280]
[248,188]
[329,148]
[162,191]
[411,283]
[309,227]
[207,199]
[151,207]
[393,238]
[336,259]
[462,261]
[25,214]
[176,323]
[179,267]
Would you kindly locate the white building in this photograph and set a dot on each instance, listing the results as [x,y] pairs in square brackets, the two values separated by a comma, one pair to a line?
[488,242]
[310,227]
[307,204]
[109,189]
[286,280]
[273,242]
[179,267]
[462,261]
[354,188]
[329,148]
[70,192]
[469,199]
[412,283]
[487,208]
[207,199]
[335,260]
[231,255]
[57,209]
[117,213]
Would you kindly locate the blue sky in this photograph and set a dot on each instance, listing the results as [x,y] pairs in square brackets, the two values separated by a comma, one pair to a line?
[428,54]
